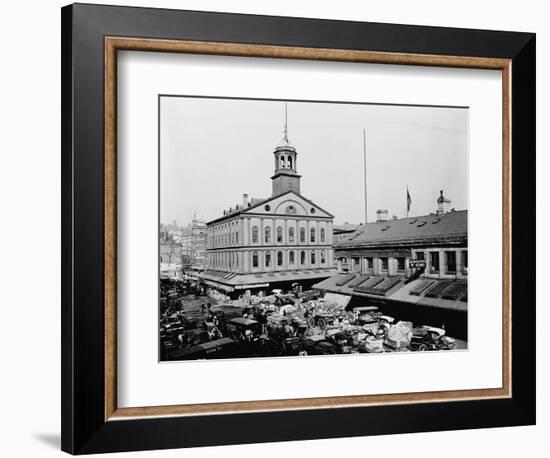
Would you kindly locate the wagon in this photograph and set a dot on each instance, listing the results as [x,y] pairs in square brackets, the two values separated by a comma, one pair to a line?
[366,314]
[429,338]
[243,329]
[215,349]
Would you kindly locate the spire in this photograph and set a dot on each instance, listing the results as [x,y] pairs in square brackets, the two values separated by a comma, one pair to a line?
[285,143]
[286,123]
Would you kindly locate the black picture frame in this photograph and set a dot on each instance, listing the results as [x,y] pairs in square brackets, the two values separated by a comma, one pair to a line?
[84,428]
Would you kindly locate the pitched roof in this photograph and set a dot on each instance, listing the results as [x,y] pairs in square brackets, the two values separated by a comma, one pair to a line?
[453,224]
[346,227]
[258,202]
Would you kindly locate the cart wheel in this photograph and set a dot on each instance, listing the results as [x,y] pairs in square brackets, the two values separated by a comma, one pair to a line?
[302,353]
[422,347]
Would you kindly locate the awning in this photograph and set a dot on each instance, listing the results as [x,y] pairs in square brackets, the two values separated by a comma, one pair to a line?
[251,286]
[341,300]
[219,286]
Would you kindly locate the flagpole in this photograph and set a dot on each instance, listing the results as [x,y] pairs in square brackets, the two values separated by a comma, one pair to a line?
[365,169]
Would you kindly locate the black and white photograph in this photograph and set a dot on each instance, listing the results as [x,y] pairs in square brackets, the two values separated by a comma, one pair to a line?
[302,228]
[275,229]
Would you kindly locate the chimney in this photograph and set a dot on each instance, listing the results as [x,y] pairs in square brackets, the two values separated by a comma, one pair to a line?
[245,200]
[443,204]
[381,216]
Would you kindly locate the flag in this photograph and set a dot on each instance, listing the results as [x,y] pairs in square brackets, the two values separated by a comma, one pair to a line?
[409,201]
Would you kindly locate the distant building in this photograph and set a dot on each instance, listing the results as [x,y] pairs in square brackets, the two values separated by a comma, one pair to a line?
[272,242]
[416,267]
[193,242]
[170,255]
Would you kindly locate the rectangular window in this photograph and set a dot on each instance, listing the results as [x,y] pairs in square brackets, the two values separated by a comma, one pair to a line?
[465,262]
[401,264]
[355,264]
[268,259]
[451,261]
[370,264]
[419,255]
[384,264]
[434,261]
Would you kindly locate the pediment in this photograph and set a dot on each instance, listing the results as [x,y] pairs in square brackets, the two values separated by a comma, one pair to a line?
[289,204]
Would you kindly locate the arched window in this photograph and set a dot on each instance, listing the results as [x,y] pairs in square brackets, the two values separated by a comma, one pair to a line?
[313,257]
[255,234]
[282,162]
[312,235]
[290,235]
[255,259]
[279,234]
[302,235]
[323,235]
[289,162]
[267,235]
[323,257]
[279,258]
[302,257]
[291,257]
[268,259]
[236,237]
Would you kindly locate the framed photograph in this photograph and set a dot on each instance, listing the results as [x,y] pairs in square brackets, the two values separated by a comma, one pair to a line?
[280,228]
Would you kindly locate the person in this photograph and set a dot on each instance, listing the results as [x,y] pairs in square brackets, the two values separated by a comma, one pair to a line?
[346,323]
[203,308]
[288,330]
[183,339]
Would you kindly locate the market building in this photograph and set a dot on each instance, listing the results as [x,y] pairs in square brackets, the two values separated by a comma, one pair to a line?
[341,232]
[415,267]
[273,242]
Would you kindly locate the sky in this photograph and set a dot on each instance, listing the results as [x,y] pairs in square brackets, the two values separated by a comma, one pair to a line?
[214,150]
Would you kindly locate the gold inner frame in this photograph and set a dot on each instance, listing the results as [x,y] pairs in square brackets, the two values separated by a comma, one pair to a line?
[114,44]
